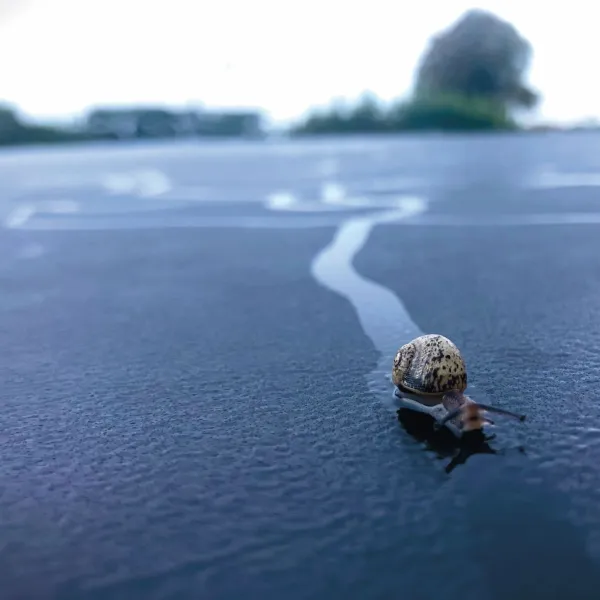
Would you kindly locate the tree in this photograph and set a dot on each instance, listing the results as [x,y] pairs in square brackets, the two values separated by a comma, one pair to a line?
[9,122]
[480,56]
[365,116]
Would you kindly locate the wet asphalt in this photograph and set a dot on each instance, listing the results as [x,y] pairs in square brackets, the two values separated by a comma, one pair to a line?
[187,413]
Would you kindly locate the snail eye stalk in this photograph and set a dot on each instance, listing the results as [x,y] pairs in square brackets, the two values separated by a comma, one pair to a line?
[475,417]
[502,411]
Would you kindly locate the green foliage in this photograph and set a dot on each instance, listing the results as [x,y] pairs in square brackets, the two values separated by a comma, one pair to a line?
[469,79]
[14,132]
[450,112]
[480,56]
[136,123]
[367,116]
[435,112]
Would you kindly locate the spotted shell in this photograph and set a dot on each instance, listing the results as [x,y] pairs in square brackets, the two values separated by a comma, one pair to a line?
[429,365]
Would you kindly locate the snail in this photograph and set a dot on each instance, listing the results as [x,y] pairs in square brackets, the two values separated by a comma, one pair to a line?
[430,375]
[429,366]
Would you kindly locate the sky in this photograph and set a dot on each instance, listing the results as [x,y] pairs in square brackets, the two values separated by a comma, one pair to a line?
[61,56]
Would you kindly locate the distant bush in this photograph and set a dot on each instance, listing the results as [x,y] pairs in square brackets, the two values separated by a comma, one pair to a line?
[31,134]
[14,132]
[450,113]
[134,123]
[367,116]
[441,112]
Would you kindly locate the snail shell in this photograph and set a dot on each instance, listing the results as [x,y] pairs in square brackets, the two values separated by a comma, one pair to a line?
[429,366]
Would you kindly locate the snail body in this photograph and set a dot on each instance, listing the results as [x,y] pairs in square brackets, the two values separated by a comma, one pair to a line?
[430,375]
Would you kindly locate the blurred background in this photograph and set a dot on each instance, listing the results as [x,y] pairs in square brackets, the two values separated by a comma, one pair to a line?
[90,69]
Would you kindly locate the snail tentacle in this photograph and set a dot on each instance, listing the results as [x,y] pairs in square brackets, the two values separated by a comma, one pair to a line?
[452,414]
[502,411]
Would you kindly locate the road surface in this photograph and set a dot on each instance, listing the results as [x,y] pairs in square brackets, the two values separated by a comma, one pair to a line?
[195,344]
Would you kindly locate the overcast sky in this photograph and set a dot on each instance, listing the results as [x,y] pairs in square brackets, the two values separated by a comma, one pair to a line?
[60,56]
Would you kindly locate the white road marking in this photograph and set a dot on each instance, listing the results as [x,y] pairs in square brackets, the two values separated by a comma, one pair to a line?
[333,194]
[152,182]
[567,218]
[281,201]
[548,178]
[382,315]
[333,197]
[109,223]
[287,201]
[19,216]
[145,183]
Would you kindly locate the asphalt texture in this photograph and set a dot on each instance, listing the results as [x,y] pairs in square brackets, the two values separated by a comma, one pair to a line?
[189,413]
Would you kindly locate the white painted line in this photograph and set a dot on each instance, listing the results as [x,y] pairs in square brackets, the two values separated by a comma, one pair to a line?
[566,218]
[152,183]
[333,197]
[334,194]
[550,179]
[145,183]
[19,216]
[95,223]
[281,201]
[382,315]
[286,201]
